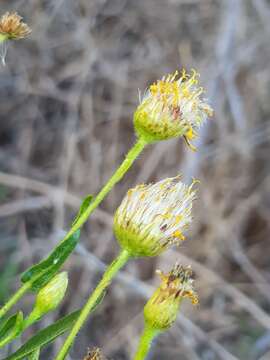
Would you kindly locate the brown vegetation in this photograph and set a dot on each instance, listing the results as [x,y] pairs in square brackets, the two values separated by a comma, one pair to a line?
[67,95]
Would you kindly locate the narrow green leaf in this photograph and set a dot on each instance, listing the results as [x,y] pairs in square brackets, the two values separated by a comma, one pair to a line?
[86,202]
[12,327]
[49,267]
[45,277]
[45,336]
[99,300]
[7,326]
[34,355]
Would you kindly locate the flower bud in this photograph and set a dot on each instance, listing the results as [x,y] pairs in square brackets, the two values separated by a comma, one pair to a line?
[51,295]
[48,298]
[153,217]
[162,308]
[172,107]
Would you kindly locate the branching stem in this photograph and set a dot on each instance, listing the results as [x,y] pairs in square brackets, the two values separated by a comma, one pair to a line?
[116,177]
[93,300]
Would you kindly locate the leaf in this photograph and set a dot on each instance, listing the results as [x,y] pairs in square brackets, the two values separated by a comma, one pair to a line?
[99,300]
[7,326]
[54,258]
[49,267]
[11,328]
[45,277]
[34,355]
[86,202]
[45,336]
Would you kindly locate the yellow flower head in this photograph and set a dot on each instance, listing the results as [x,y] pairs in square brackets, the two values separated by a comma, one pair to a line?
[153,217]
[172,107]
[12,27]
[162,308]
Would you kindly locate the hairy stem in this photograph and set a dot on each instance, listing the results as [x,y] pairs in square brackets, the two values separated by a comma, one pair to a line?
[93,300]
[146,339]
[116,177]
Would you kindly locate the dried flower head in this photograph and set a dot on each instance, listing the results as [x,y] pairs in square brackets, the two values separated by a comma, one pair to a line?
[162,308]
[94,354]
[172,107]
[153,217]
[12,26]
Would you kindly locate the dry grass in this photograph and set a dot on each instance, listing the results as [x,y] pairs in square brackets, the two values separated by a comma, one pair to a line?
[66,101]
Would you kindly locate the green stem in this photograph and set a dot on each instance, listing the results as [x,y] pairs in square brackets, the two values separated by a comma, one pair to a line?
[116,177]
[146,339]
[16,297]
[33,317]
[94,300]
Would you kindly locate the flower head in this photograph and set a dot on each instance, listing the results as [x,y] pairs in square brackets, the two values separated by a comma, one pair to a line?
[162,308]
[94,354]
[12,26]
[172,107]
[153,217]
[50,296]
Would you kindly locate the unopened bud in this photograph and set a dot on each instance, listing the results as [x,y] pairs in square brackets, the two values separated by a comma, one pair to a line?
[51,295]
[48,298]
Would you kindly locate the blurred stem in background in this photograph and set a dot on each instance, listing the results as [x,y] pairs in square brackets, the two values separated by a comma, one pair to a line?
[94,299]
[116,177]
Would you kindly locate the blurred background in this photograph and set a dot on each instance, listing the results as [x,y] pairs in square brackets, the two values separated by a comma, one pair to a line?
[67,96]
